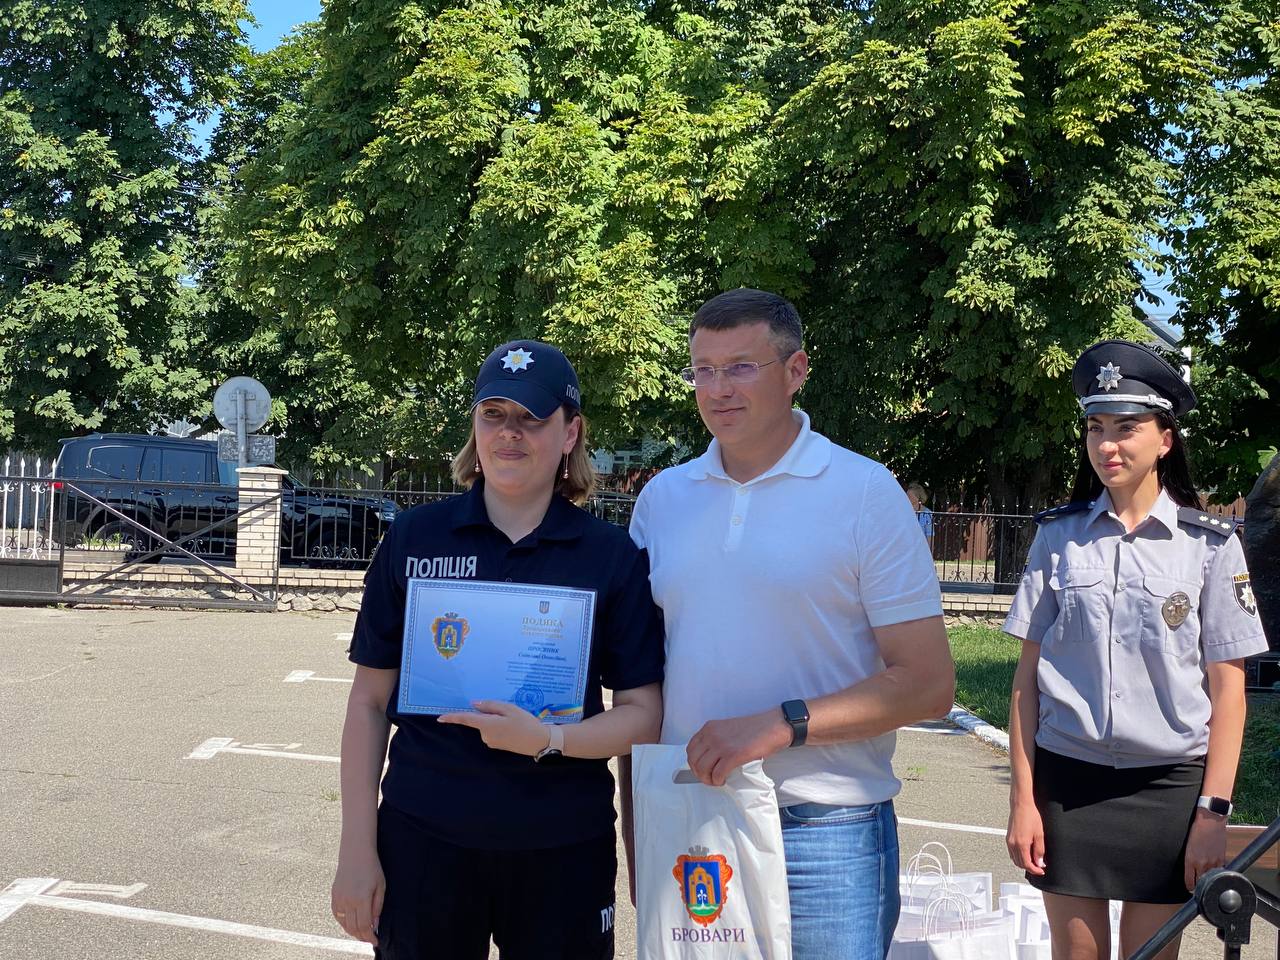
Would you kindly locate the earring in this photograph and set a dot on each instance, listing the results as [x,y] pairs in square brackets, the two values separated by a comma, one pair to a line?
[565,475]
[477,465]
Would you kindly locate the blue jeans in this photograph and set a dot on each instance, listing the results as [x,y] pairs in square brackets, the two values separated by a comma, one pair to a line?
[842,874]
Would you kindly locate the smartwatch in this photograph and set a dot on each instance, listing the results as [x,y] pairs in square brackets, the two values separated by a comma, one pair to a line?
[554,747]
[796,713]
[1216,805]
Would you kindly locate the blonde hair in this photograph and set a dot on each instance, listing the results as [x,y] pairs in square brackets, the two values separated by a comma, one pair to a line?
[579,485]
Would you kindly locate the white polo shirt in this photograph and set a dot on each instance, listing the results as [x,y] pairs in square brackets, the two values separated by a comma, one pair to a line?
[769,590]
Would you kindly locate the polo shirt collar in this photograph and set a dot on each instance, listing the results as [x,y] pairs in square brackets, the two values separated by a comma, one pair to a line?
[1163,511]
[808,455]
[562,521]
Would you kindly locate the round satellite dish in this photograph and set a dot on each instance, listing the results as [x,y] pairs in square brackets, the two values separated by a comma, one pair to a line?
[257,403]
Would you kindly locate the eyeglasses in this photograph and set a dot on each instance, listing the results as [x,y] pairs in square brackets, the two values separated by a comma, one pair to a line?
[744,372]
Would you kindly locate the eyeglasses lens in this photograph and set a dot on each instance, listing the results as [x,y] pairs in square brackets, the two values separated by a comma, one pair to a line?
[706,376]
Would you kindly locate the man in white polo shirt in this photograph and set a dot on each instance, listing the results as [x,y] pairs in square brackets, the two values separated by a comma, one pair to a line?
[803,619]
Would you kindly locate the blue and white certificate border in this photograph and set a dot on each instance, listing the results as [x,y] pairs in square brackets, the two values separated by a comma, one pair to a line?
[419,587]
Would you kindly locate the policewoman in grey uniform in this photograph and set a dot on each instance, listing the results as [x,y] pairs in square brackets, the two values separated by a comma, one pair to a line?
[1135,614]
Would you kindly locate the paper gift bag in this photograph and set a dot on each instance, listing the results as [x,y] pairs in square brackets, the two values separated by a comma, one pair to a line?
[711,877]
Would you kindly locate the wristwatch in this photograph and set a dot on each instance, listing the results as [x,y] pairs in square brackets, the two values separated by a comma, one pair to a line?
[1216,805]
[554,747]
[796,713]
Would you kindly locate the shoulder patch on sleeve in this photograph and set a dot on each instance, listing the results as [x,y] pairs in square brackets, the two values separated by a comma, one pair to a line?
[1053,513]
[1191,517]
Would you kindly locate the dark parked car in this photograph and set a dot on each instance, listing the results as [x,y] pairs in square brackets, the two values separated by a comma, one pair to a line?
[177,487]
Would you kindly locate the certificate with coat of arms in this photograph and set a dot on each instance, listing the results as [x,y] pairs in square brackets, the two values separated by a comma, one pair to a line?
[467,640]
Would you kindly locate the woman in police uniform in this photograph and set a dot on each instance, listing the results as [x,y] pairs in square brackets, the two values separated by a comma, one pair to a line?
[493,825]
[1128,704]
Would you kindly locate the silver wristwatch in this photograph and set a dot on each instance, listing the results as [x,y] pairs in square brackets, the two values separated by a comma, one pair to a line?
[1216,805]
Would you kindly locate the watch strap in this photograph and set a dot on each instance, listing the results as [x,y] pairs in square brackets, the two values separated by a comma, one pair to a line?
[555,743]
[1216,805]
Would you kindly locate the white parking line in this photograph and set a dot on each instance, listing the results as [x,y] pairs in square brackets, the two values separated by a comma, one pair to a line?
[98,889]
[29,891]
[216,745]
[959,827]
[302,676]
[21,892]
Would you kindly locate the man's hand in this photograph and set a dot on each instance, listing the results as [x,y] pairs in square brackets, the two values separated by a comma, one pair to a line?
[1206,847]
[503,726]
[722,746]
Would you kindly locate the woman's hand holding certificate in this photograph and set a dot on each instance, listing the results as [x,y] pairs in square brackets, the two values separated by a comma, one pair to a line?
[503,726]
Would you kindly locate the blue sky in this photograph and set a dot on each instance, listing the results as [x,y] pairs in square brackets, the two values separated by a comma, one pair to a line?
[277,17]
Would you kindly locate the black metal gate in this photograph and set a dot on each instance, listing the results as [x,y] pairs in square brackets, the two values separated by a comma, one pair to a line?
[39,527]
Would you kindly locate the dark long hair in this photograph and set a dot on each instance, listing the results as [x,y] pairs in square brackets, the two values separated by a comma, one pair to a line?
[1173,470]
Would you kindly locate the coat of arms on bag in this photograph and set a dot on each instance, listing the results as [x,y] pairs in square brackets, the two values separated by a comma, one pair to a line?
[447,633]
[704,881]
[1244,594]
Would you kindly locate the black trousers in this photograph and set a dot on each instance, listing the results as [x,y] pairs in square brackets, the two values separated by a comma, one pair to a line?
[444,902]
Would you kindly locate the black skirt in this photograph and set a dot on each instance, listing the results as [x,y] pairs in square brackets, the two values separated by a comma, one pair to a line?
[1115,834]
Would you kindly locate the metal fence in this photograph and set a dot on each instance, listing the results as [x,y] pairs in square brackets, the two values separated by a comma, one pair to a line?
[340,526]
[91,518]
[975,547]
[978,552]
[333,526]
[26,508]
[983,549]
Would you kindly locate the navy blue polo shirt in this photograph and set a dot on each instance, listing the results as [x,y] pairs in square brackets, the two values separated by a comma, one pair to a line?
[444,776]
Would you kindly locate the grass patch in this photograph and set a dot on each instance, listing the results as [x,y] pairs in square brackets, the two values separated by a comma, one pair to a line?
[986,658]
[1257,794]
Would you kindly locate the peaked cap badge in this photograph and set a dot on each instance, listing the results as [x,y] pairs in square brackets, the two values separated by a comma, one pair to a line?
[517,360]
[1109,377]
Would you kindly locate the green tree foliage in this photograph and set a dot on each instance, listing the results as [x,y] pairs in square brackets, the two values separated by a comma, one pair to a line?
[460,175]
[1230,254]
[957,194]
[97,200]
[988,176]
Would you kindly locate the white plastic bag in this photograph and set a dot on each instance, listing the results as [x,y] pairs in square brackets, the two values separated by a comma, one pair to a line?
[711,877]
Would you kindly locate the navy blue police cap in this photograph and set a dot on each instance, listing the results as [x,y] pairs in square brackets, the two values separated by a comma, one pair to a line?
[1119,376]
[533,374]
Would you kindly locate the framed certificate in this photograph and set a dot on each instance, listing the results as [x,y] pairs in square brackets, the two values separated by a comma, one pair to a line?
[467,640]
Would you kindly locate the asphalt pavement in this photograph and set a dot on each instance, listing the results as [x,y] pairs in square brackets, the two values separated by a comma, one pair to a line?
[169,788]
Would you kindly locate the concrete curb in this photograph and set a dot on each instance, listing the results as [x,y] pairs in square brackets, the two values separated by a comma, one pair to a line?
[979,728]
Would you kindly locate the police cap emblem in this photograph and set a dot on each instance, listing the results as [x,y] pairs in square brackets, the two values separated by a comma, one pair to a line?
[1109,376]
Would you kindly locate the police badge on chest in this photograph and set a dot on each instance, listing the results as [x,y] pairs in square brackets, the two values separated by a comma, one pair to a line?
[1175,609]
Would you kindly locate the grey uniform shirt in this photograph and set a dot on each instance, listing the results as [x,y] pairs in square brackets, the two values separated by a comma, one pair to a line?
[1126,623]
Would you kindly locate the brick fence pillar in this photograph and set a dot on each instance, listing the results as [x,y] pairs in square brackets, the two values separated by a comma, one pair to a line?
[258,533]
